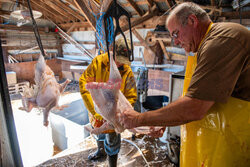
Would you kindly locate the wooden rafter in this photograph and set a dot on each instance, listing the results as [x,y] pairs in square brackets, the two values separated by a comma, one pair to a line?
[70,10]
[1,1]
[71,2]
[23,28]
[136,7]
[164,50]
[81,4]
[3,12]
[142,19]
[212,2]
[144,43]
[71,28]
[168,3]
[46,10]
[105,5]
[59,10]
[143,3]
[45,15]
[27,47]
[76,25]
[236,15]
[150,2]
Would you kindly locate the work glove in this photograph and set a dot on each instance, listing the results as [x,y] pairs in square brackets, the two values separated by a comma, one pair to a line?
[97,120]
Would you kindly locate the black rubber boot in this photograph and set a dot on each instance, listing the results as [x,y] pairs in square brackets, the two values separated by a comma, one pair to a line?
[100,153]
[113,160]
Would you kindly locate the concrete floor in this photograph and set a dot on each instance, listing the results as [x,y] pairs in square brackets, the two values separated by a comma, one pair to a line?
[153,150]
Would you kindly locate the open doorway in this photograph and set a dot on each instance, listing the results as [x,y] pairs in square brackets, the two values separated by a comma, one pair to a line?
[30,142]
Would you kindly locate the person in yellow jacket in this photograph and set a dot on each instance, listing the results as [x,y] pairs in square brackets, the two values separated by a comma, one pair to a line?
[215,108]
[98,71]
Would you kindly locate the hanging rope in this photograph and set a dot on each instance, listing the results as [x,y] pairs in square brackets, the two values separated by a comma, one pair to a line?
[36,32]
[100,31]
[110,30]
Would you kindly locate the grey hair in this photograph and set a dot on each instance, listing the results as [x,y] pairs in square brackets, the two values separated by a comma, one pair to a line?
[182,11]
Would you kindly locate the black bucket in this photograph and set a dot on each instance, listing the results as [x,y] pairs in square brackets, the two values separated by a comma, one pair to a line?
[154,102]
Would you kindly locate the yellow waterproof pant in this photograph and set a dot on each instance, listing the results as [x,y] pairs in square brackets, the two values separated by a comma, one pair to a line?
[221,138]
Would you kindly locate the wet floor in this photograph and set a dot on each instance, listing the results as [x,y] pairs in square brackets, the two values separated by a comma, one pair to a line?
[154,152]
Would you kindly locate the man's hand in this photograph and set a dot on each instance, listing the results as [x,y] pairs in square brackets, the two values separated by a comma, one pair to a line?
[129,119]
[155,132]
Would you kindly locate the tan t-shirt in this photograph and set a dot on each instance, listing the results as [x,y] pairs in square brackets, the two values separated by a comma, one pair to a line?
[223,64]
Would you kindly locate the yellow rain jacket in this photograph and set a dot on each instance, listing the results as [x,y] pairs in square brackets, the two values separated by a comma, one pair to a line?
[98,71]
[221,138]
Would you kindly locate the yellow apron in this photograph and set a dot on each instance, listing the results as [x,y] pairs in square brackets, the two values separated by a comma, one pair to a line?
[221,138]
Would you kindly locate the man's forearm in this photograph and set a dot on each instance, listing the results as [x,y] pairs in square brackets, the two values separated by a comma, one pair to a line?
[180,112]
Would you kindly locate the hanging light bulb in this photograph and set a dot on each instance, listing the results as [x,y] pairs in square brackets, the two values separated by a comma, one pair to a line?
[25,14]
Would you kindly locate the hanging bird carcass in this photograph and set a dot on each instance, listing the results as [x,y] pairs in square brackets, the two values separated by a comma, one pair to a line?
[46,91]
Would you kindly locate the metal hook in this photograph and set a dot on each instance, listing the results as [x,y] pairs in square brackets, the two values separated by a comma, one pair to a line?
[116,11]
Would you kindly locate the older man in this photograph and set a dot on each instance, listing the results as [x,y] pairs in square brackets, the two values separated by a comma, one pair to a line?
[215,108]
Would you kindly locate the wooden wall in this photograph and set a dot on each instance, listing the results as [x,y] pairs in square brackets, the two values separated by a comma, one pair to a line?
[66,65]
[25,71]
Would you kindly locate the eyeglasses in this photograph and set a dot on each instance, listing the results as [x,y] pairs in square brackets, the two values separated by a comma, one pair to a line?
[175,34]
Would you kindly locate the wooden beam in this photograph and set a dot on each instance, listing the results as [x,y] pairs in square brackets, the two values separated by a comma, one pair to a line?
[143,3]
[59,10]
[175,56]
[144,43]
[136,7]
[105,5]
[4,12]
[71,11]
[142,19]
[236,15]
[77,25]
[93,43]
[245,22]
[23,28]
[71,28]
[85,11]
[211,8]
[71,2]
[150,2]
[46,10]
[6,1]
[30,40]
[83,42]
[168,3]
[212,3]
[167,56]
[27,47]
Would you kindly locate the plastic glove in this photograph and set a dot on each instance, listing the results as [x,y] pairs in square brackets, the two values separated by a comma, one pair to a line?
[98,120]
[98,117]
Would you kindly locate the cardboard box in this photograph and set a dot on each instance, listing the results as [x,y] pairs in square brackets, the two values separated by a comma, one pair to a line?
[11,77]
